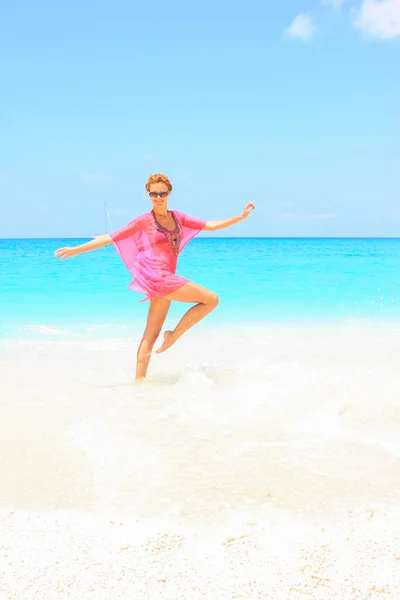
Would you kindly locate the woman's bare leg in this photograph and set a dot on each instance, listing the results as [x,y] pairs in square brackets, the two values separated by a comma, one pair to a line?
[190,292]
[158,311]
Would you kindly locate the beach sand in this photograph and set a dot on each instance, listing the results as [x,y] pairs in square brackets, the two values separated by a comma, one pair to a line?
[253,463]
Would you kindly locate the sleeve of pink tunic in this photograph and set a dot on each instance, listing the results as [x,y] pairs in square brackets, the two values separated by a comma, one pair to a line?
[126,241]
[190,226]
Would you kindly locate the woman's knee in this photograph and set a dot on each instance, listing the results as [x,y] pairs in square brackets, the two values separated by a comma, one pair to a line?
[212,300]
[151,336]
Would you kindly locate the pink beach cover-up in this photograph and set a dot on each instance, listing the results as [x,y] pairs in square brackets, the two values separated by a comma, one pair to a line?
[149,253]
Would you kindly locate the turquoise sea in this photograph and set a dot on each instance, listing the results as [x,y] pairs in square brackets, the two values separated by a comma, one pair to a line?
[257,279]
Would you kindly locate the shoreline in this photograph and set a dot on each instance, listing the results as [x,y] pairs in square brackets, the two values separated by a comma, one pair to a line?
[108,331]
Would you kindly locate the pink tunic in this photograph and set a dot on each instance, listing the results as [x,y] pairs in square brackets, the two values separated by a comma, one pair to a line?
[151,253]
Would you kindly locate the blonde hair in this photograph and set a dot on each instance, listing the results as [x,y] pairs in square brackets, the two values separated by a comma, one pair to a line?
[158,178]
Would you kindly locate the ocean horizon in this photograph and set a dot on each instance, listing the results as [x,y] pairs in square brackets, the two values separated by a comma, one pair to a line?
[235,237]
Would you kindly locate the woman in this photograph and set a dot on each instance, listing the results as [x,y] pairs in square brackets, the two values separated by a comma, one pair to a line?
[149,246]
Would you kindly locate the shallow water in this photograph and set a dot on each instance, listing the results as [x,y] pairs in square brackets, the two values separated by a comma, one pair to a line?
[226,429]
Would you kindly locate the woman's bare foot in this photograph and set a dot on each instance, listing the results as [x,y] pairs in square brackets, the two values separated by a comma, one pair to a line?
[169,339]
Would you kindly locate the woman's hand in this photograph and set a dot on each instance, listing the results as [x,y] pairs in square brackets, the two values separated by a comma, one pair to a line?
[64,253]
[247,210]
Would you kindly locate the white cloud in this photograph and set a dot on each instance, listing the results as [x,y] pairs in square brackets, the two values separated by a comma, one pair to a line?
[380,19]
[302,28]
[290,216]
[95,177]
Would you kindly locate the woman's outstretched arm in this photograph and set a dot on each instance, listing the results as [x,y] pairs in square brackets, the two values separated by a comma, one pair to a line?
[99,242]
[223,223]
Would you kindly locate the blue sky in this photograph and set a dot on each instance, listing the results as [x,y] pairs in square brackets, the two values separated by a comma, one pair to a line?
[294,105]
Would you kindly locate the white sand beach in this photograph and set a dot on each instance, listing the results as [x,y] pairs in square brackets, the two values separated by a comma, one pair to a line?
[252,464]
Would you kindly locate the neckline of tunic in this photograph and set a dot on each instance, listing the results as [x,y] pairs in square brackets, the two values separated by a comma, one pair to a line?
[174,230]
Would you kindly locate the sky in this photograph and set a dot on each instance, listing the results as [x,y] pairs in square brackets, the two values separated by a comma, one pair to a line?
[292,105]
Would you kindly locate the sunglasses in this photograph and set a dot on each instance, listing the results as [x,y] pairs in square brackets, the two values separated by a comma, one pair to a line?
[161,194]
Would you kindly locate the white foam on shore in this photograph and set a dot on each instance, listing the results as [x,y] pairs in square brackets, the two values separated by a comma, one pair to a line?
[284,441]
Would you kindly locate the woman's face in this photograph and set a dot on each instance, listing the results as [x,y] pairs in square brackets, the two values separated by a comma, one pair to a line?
[159,194]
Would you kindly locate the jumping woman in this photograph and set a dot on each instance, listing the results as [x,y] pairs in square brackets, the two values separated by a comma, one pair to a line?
[149,246]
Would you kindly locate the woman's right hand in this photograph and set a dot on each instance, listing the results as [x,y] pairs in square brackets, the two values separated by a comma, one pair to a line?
[64,253]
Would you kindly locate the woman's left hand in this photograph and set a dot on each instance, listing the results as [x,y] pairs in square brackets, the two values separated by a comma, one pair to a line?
[247,209]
